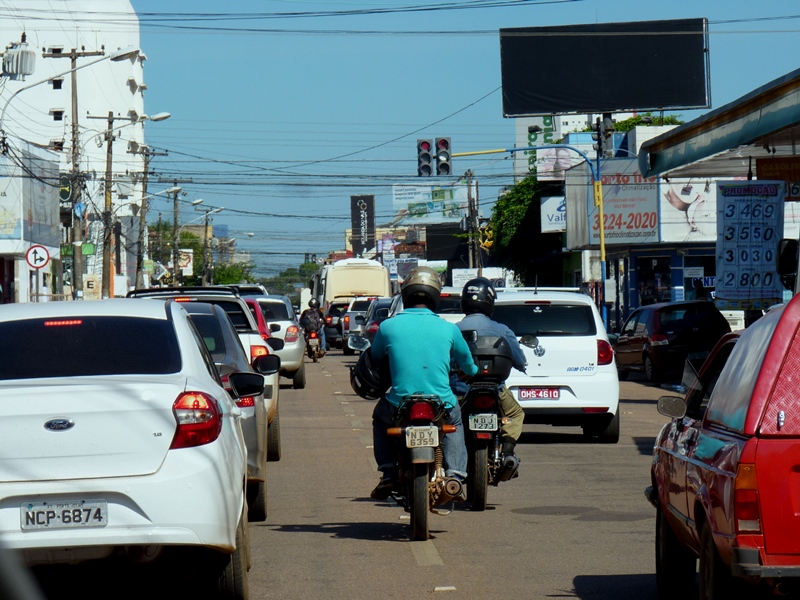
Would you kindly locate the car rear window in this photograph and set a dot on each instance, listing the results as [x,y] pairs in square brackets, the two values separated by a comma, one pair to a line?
[210,330]
[79,346]
[235,312]
[274,311]
[449,304]
[701,314]
[547,319]
[359,305]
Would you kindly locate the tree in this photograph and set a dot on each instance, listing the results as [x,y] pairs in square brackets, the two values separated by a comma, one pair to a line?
[233,273]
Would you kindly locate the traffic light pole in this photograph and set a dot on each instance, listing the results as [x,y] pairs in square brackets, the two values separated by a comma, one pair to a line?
[598,200]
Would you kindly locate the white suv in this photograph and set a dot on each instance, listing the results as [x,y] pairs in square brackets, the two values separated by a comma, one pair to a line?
[571,377]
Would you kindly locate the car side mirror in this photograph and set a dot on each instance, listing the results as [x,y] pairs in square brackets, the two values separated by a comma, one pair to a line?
[247,384]
[786,262]
[673,407]
[275,343]
[274,328]
[267,365]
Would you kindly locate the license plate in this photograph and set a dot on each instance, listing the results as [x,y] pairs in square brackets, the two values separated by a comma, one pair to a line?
[486,422]
[63,515]
[539,393]
[313,342]
[422,437]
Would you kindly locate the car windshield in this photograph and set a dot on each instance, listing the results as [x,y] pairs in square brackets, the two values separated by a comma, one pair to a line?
[81,346]
[547,319]
[274,311]
[211,332]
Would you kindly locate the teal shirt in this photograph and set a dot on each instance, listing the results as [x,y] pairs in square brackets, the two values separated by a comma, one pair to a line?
[420,345]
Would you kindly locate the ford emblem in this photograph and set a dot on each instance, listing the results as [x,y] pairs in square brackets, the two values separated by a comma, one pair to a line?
[59,424]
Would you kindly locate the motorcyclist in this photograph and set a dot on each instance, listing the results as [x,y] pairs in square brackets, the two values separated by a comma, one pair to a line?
[419,346]
[477,303]
[311,319]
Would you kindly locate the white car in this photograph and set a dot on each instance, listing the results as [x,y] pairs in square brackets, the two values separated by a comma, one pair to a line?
[449,307]
[571,377]
[119,439]
[282,321]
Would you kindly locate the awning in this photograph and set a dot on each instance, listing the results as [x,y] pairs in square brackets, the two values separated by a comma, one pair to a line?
[764,123]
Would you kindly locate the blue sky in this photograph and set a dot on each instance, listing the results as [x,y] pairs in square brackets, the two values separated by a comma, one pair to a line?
[281,119]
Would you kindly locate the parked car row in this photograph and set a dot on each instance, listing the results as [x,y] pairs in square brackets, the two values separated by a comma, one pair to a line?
[128,438]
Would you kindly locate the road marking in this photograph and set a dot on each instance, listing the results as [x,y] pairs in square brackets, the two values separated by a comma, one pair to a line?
[357,425]
[444,588]
[425,554]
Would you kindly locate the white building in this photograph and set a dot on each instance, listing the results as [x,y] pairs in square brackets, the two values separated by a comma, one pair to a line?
[37,112]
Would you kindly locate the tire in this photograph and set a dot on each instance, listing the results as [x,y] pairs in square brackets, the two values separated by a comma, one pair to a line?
[479,475]
[231,580]
[274,439]
[716,581]
[420,503]
[623,375]
[257,502]
[676,567]
[650,371]
[347,350]
[610,435]
[299,377]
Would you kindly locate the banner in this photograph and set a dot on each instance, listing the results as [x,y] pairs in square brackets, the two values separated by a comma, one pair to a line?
[362,219]
[554,213]
[688,210]
[428,204]
[783,168]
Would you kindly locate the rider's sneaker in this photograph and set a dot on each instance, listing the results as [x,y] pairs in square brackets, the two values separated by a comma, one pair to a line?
[383,490]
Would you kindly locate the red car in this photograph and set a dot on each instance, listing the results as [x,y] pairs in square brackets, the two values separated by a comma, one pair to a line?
[726,468]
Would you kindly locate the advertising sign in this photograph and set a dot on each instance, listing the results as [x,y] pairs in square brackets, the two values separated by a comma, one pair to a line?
[630,205]
[548,131]
[428,204]
[749,228]
[554,213]
[362,219]
[688,210]
[784,168]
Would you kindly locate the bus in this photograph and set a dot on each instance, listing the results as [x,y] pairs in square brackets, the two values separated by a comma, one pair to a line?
[345,279]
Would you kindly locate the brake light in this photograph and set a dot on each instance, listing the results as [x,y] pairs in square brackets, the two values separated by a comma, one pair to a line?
[745,500]
[483,402]
[292,334]
[538,302]
[313,334]
[246,402]
[659,339]
[183,299]
[63,323]
[328,320]
[199,420]
[421,411]
[256,351]
[605,354]
[373,327]
[346,322]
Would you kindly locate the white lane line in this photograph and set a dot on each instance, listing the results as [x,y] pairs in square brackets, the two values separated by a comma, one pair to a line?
[425,554]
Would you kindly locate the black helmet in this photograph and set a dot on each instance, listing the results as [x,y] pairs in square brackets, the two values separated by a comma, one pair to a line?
[368,380]
[421,286]
[478,295]
[313,303]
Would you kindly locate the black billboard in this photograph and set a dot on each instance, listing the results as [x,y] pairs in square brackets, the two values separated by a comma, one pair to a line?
[605,67]
[362,220]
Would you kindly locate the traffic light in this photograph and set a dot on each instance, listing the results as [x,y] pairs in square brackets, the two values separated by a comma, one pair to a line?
[603,136]
[598,136]
[443,166]
[424,158]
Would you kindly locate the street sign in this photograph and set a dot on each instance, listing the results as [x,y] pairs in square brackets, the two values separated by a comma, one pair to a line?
[37,257]
[65,187]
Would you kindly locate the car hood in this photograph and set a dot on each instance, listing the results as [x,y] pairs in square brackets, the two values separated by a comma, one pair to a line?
[96,426]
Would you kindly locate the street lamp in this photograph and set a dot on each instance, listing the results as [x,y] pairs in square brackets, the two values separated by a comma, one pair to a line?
[142,228]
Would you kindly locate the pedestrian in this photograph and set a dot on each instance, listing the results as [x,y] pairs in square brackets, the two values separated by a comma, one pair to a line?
[700,290]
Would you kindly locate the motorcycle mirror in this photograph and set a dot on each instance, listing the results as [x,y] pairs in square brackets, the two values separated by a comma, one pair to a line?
[358,342]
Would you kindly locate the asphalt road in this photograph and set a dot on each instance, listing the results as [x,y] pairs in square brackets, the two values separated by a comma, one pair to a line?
[575,524]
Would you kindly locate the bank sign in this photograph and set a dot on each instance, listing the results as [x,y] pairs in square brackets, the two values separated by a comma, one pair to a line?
[554,214]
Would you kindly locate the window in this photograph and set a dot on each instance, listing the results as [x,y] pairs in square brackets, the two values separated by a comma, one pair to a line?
[210,331]
[58,114]
[547,319]
[274,311]
[57,145]
[57,83]
[697,399]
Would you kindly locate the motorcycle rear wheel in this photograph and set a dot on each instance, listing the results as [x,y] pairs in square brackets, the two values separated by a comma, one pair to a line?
[420,499]
[479,475]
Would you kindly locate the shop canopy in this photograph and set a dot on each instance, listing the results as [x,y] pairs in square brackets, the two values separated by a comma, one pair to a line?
[727,141]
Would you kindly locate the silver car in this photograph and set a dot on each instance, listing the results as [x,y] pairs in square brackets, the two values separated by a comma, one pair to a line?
[282,321]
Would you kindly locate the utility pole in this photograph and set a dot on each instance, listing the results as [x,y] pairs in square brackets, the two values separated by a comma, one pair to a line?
[76,183]
[143,217]
[107,290]
[472,219]
[177,275]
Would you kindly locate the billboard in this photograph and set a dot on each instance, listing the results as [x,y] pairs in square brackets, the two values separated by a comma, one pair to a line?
[554,213]
[362,220]
[688,210]
[783,168]
[617,67]
[429,204]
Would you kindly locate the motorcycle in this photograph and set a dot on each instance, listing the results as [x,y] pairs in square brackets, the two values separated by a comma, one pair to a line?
[313,345]
[423,487]
[483,417]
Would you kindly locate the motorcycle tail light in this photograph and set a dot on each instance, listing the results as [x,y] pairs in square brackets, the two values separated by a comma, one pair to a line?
[745,500]
[483,402]
[421,411]
[659,339]
[313,334]
[328,320]
[292,334]
[199,420]
[605,354]
[483,435]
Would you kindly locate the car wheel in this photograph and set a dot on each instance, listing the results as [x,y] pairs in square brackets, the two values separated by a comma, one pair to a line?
[715,577]
[299,377]
[274,439]
[231,580]
[676,567]
[650,372]
[610,435]
[257,501]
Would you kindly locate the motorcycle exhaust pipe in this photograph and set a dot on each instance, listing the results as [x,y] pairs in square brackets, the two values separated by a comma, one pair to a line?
[452,487]
[508,468]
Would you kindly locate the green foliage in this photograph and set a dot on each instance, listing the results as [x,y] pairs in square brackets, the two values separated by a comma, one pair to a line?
[231,274]
[644,120]
[286,283]
[508,214]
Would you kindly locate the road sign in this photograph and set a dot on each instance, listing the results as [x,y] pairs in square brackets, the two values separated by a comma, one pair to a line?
[37,257]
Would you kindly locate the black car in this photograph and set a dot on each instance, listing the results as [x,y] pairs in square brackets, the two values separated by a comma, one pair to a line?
[377,312]
[333,323]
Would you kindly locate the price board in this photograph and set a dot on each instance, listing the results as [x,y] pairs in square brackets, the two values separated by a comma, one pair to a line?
[749,229]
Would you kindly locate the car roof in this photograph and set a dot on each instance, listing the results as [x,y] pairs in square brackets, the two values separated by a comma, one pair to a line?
[125,307]
[678,303]
[184,291]
[517,297]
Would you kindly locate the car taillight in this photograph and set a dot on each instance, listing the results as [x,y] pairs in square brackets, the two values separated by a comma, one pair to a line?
[256,351]
[328,320]
[605,354]
[745,500]
[346,325]
[483,402]
[292,334]
[199,420]
[659,339]
[421,411]
[373,327]
[246,402]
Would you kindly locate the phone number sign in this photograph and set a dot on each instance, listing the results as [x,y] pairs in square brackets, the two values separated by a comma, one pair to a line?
[749,229]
